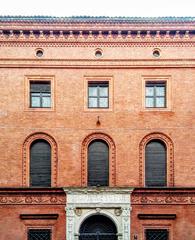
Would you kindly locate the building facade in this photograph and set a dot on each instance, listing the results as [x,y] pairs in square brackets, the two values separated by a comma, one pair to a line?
[97,128]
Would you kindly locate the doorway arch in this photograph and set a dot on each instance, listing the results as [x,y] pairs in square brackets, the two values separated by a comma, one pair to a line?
[98,227]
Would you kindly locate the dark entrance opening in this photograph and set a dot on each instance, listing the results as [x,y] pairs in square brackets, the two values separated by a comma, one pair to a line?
[98,227]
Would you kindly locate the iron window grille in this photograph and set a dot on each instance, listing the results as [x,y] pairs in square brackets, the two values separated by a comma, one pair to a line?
[156,234]
[98,95]
[155,94]
[40,94]
[39,234]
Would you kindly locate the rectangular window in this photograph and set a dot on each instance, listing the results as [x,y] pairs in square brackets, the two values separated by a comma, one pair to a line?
[156,234]
[98,94]
[40,94]
[39,234]
[155,94]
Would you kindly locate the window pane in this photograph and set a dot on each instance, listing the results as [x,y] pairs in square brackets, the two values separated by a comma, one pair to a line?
[103,102]
[92,91]
[103,91]
[149,91]
[149,102]
[160,102]
[40,92]
[160,91]
[35,101]
[40,86]
[93,102]
[46,102]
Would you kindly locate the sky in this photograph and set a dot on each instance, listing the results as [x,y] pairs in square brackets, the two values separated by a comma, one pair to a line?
[62,8]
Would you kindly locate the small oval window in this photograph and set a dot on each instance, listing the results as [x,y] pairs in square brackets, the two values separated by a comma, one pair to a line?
[39,53]
[156,53]
[98,53]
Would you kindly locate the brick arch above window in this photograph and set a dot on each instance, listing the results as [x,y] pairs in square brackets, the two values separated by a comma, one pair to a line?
[170,156]
[26,157]
[112,156]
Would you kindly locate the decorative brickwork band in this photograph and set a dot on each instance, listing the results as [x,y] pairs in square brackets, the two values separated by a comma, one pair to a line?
[163,197]
[26,157]
[32,196]
[112,157]
[37,35]
[170,156]
[31,200]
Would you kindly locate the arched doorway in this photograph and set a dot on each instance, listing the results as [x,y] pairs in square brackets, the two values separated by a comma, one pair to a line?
[98,227]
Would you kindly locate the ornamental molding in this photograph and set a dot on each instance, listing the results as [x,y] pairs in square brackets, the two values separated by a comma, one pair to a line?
[163,199]
[112,157]
[97,44]
[16,199]
[59,38]
[26,156]
[97,64]
[170,157]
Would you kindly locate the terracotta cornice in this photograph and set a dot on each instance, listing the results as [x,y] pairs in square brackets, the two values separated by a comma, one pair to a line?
[95,36]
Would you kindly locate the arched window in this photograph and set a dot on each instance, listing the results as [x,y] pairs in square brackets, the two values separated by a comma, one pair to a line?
[98,163]
[156,164]
[40,164]
[98,227]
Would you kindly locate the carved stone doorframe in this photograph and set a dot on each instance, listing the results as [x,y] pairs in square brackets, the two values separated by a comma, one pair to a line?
[114,203]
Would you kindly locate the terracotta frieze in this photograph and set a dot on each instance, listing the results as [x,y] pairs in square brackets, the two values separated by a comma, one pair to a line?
[145,197]
[27,196]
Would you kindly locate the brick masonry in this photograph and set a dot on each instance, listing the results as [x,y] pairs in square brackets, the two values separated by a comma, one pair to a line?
[70,61]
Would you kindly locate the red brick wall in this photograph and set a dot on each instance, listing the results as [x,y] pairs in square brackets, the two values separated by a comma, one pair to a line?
[69,124]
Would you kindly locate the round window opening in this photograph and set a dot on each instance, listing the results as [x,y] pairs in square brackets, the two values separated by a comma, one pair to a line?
[39,53]
[156,53]
[98,53]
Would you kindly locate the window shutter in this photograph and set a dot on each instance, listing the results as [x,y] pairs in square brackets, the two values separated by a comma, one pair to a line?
[98,164]
[40,164]
[155,164]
